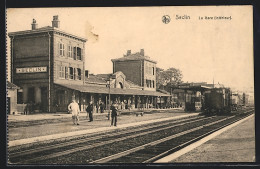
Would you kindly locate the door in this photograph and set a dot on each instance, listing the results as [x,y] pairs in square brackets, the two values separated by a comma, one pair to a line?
[44,99]
[31,95]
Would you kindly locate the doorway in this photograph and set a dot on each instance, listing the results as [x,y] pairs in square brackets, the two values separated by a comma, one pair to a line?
[31,95]
[44,99]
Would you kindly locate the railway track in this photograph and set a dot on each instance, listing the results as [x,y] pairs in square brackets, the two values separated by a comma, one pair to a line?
[128,145]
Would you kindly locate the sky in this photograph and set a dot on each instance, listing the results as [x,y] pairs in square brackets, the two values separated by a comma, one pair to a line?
[219,49]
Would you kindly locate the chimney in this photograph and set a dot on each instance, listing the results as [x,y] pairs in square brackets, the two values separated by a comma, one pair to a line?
[128,52]
[34,24]
[56,22]
[142,52]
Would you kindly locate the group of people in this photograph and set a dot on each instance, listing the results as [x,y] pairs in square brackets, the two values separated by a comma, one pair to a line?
[75,111]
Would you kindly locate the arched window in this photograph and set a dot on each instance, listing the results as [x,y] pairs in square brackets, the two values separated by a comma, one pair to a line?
[121,85]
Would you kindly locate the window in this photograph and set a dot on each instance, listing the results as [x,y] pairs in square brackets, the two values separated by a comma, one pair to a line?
[153,84]
[70,72]
[61,72]
[79,53]
[74,53]
[19,97]
[70,51]
[121,85]
[74,73]
[61,49]
[60,97]
[66,72]
[148,83]
[79,73]
[86,73]
[153,70]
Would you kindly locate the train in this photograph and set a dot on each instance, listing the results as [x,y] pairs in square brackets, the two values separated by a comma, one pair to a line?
[219,101]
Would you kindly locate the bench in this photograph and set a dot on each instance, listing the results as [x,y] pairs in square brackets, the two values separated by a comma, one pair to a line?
[139,113]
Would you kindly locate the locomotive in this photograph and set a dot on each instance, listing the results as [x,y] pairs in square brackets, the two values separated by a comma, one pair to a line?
[217,101]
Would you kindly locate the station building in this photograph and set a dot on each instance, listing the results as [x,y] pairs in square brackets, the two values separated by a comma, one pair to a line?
[48,65]
[138,68]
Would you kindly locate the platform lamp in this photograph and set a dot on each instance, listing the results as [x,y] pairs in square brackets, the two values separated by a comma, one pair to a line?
[109,98]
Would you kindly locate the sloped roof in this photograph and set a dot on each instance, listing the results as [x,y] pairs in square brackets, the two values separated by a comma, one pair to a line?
[163,91]
[135,56]
[105,90]
[11,86]
[95,79]
[132,84]
[104,76]
[45,29]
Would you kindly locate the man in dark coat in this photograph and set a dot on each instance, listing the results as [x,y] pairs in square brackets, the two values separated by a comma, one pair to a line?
[90,111]
[113,114]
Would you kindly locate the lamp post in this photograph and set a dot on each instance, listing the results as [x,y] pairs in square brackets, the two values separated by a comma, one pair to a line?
[109,98]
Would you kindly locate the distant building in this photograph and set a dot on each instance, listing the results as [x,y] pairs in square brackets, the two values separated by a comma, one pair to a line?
[138,68]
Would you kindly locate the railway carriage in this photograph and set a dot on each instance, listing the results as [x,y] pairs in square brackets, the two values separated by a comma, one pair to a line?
[217,101]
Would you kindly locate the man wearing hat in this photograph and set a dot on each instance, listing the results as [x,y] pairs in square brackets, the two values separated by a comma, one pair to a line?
[90,111]
[74,110]
[114,114]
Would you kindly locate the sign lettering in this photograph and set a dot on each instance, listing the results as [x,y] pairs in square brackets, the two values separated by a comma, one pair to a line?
[31,70]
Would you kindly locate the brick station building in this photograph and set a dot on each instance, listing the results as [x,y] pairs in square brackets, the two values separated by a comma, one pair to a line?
[48,65]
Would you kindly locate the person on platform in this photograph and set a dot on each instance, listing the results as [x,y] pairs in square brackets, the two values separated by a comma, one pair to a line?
[101,107]
[74,110]
[113,114]
[90,111]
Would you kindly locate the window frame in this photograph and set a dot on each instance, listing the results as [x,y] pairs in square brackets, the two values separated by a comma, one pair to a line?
[79,53]
[70,51]
[61,72]
[71,77]
[79,76]
[61,49]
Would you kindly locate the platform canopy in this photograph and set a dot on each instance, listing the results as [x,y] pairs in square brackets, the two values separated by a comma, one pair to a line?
[105,90]
[195,86]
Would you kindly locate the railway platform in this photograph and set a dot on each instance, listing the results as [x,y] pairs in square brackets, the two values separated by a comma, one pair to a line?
[233,144]
[50,131]
[59,116]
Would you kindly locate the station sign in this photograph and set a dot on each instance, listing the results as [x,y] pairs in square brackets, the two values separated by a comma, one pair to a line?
[31,69]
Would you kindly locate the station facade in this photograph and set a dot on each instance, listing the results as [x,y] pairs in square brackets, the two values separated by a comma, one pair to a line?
[48,65]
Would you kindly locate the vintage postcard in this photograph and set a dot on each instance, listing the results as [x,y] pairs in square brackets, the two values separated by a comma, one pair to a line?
[117,85]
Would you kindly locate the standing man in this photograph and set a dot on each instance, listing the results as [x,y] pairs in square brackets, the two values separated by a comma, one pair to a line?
[74,109]
[113,114]
[90,111]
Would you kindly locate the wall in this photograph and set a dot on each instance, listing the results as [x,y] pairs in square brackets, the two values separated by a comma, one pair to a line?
[12,93]
[30,51]
[31,46]
[131,70]
[65,60]
[148,74]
